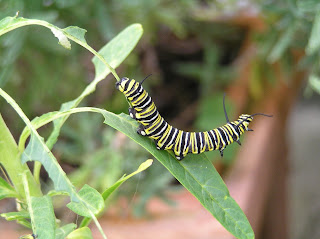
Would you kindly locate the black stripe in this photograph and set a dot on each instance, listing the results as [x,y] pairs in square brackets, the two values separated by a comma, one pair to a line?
[126,85]
[165,144]
[197,134]
[224,138]
[158,127]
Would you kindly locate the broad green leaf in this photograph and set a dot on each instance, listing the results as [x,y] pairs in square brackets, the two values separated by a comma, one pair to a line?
[117,184]
[94,202]
[81,233]
[195,173]
[314,40]
[43,217]
[114,53]
[12,216]
[63,232]
[6,190]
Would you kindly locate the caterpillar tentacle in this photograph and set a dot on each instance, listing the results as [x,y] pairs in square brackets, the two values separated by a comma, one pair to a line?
[168,137]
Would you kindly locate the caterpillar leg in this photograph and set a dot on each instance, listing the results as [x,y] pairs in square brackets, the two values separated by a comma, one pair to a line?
[179,157]
[141,131]
[221,152]
[132,113]
[238,142]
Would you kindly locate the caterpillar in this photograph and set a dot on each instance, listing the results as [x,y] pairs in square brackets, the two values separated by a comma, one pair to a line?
[152,125]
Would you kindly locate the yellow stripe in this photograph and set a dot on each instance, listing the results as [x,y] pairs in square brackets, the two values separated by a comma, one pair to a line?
[210,144]
[154,125]
[177,143]
[131,84]
[217,138]
[164,136]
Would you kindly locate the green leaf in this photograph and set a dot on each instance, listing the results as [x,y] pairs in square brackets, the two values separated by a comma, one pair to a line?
[35,151]
[64,231]
[314,40]
[117,49]
[81,233]
[114,52]
[117,184]
[43,217]
[76,32]
[12,216]
[38,151]
[195,173]
[6,190]
[94,202]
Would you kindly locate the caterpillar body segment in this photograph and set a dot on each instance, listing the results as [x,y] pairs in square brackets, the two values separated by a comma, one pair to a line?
[167,137]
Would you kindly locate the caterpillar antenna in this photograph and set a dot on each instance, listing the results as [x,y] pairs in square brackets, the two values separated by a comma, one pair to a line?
[145,79]
[261,114]
[224,108]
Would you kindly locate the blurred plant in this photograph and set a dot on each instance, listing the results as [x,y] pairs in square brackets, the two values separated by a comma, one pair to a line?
[294,27]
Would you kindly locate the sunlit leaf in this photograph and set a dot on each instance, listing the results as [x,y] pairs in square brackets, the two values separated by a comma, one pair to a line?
[43,215]
[64,231]
[6,190]
[94,202]
[81,233]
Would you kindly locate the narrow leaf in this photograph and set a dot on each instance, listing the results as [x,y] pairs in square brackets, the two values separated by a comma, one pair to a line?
[6,190]
[94,202]
[81,233]
[76,32]
[43,215]
[63,40]
[114,52]
[12,216]
[36,152]
[117,49]
[64,231]
[117,184]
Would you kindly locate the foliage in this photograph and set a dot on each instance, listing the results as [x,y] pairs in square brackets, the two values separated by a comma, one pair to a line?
[195,172]
[294,27]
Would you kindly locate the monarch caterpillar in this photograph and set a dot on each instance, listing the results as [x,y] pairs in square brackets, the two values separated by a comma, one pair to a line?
[168,137]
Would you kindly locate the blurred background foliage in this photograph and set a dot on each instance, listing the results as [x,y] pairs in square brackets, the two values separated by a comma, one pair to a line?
[191,48]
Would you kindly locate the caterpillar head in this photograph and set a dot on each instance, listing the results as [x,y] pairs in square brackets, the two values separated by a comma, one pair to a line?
[246,119]
[121,85]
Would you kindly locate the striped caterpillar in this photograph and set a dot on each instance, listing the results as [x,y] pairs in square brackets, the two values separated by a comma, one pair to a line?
[168,137]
